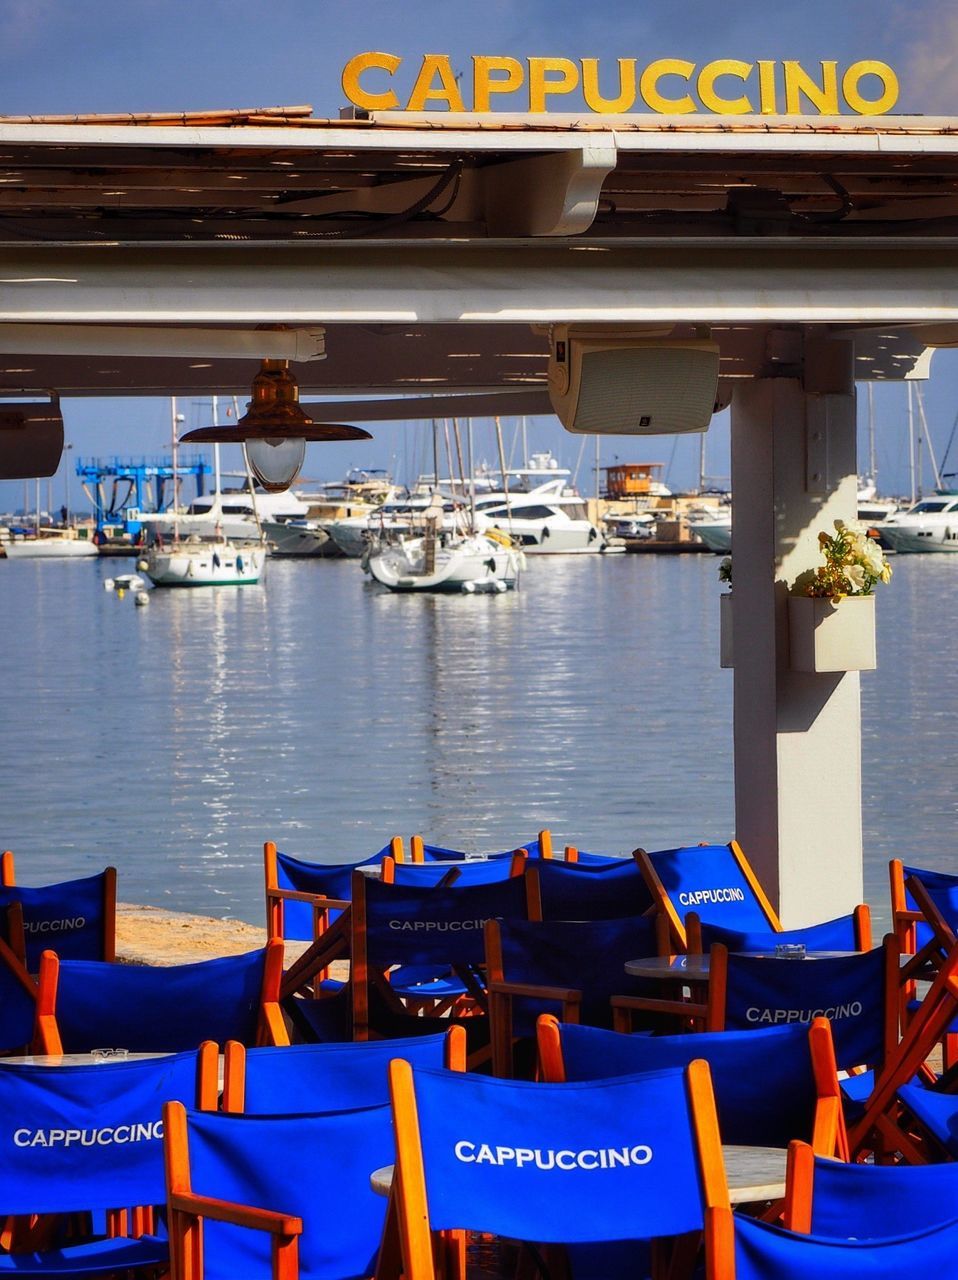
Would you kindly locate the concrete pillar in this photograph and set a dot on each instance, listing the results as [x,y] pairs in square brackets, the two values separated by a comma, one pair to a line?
[797,735]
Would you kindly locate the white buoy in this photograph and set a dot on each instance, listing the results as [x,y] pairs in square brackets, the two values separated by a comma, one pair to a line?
[108,584]
[469,588]
[141,597]
[142,565]
[501,586]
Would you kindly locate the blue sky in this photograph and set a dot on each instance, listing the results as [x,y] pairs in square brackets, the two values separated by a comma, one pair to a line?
[169,55]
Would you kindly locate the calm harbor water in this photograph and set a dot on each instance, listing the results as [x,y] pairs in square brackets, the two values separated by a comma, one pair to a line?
[326,714]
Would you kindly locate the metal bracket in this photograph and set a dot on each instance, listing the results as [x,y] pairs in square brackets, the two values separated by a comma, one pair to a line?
[556,194]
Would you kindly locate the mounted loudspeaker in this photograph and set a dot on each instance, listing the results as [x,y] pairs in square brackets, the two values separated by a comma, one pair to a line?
[608,382]
[31,439]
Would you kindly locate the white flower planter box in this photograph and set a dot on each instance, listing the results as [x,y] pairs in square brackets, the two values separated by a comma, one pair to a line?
[726,649]
[827,637]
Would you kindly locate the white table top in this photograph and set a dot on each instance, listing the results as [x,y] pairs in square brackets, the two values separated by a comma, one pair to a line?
[696,968]
[753,1174]
[74,1059]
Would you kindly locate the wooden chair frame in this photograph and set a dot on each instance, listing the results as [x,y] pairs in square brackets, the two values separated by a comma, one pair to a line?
[664,905]
[883,1129]
[415,1257]
[271,1025]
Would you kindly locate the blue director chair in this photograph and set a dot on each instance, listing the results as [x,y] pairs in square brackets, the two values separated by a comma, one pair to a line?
[87,1139]
[243,1196]
[845,933]
[77,918]
[84,1004]
[771,1086]
[575,1165]
[304,898]
[576,966]
[714,880]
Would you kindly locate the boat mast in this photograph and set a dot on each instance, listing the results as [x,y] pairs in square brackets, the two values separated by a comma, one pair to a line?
[502,468]
[472,476]
[911,441]
[37,514]
[927,434]
[174,417]
[216,454]
[872,464]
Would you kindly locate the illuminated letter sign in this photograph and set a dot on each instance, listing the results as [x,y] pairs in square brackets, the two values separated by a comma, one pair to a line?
[667,86]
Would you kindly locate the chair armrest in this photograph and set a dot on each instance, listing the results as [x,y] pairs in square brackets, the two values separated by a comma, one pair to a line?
[532,991]
[236,1215]
[318,899]
[623,1006]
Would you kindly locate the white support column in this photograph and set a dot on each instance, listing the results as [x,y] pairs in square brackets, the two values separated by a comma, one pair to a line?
[797,735]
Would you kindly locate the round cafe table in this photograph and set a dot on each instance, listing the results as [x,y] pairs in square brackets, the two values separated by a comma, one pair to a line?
[753,1174]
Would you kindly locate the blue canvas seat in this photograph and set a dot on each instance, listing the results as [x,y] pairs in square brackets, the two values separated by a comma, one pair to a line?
[572,967]
[244,1193]
[86,1004]
[77,918]
[576,1165]
[89,1138]
[428,875]
[771,1086]
[714,880]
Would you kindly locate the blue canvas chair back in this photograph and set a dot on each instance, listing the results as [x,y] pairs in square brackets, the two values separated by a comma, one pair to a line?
[710,880]
[873,1200]
[310,877]
[436,926]
[943,891]
[848,990]
[767,1252]
[437,853]
[831,935]
[159,1010]
[586,955]
[17,1004]
[763,1080]
[571,891]
[88,1137]
[67,918]
[426,875]
[283,1163]
[330,1077]
[559,1163]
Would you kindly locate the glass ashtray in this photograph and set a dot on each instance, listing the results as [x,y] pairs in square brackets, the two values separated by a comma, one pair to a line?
[790,951]
[109,1055]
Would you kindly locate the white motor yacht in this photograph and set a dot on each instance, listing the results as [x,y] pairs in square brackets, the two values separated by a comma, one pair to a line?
[930,525]
[231,514]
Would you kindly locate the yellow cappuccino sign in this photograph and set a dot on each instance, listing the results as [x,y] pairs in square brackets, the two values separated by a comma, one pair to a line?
[671,86]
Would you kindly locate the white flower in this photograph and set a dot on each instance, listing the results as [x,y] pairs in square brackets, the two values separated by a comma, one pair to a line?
[855,575]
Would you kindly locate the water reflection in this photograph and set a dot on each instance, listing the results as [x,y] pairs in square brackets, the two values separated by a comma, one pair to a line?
[327,714]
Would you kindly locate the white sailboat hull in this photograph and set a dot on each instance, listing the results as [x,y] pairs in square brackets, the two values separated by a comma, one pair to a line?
[920,536]
[474,563]
[50,548]
[215,564]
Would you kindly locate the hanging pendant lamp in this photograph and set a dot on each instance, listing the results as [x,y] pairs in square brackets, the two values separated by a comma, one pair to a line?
[275,429]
